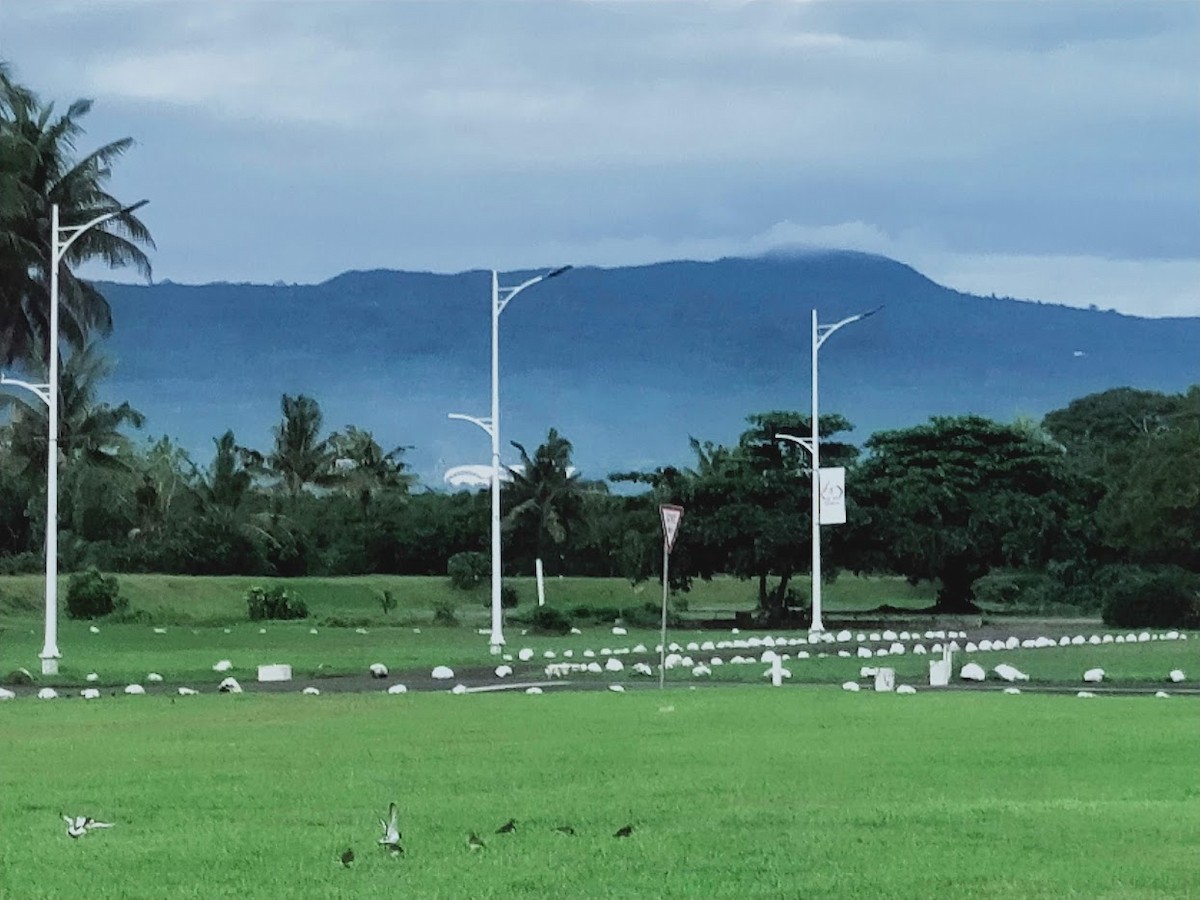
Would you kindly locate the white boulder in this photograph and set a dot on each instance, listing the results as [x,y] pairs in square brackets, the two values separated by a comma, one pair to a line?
[135,690]
[229,686]
[223,665]
[1176,675]
[47,694]
[1010,673]
[398,689]
[187,692]
[852,686]
[378,670]
[90,694]
[1093,676]
[442,673]
[972,672]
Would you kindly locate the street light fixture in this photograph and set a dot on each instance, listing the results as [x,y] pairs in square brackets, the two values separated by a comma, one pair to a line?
[820,333]
[61,239]
[501,297]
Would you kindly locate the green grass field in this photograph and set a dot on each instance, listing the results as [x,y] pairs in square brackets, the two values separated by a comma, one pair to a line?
[733,793]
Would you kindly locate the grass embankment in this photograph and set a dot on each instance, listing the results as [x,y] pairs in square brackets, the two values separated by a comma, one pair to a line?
[732,794]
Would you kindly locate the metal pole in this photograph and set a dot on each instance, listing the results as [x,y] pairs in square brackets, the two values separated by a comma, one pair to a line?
[50,654]
[817,625]
[662,647]
[497,639]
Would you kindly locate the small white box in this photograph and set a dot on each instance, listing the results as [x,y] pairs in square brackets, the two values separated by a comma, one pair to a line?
[276,672]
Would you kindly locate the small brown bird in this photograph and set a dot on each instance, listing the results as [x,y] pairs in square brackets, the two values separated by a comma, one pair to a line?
[624,832]
[474,842]
[565,829]
[347,857]
[508,827]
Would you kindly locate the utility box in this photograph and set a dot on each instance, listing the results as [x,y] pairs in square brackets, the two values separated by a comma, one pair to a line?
[885,680]
[276,672]
[940,670]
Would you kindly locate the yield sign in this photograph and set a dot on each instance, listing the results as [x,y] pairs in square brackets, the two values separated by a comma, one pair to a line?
[671,516]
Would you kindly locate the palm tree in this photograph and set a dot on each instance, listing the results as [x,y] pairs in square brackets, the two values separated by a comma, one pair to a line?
[363,469]
[301,457]
[546,494]
[39,169]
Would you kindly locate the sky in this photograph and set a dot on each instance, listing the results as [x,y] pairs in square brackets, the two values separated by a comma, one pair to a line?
[1042,150]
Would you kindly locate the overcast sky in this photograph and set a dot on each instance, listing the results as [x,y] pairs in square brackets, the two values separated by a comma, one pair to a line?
[1046,150]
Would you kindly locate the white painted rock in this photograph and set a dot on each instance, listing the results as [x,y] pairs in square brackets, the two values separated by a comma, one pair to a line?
[640,648]
[575,630]
[6,694]
[1176,675]
[525,654]
[223,665]
[906,689]
[93,629]
[533,690]
[229,686]
[47,694]
[701,670]
[160,631]
[262,631]
[1085,694]
[851,686]
[1010,673]
[356,631]
[617,688]
[459,689]
[972,672]
[442,673]
[90,694]
[549,654]
[614,665]
[187,692]
[92,676]
[154,678]
[1012,690]
[135,690]
[617,629]
[1161,695]
[311,691]
[398,689]
[378,670]
[503,671]
[312,631]
[1093,676]
[594,668]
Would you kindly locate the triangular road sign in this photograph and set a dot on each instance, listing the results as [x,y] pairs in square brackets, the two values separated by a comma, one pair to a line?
[671,516]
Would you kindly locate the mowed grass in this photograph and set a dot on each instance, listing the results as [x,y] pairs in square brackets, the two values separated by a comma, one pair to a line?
[733,793]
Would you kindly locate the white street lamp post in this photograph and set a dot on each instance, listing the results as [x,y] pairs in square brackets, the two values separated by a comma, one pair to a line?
[501,297]
[820,333]
[61,239]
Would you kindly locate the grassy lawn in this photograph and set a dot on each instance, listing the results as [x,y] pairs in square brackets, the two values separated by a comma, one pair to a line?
[733,793]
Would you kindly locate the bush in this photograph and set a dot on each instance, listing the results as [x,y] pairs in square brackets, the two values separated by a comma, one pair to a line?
[91,595]
[1166,598]
[548,620]
[444,612]
[1026,589]
[274,603]
[467,570]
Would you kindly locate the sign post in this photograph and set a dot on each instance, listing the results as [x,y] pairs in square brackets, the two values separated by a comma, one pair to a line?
[671,516]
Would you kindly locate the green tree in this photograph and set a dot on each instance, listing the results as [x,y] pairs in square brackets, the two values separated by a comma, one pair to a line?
[39,168]
[301,458]
[362,469]
[951,500]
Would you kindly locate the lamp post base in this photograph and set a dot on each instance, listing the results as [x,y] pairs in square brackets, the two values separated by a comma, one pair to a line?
[49,666]
[497,649]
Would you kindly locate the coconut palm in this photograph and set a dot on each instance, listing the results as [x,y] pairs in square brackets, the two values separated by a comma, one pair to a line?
[363,469]
[301,456]
[39,168]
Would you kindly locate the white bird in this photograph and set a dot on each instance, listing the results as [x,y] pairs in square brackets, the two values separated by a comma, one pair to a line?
[391,832]
[78,826]
[378,670]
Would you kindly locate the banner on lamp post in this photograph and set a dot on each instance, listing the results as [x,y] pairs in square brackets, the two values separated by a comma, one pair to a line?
[671,517]
[832,482]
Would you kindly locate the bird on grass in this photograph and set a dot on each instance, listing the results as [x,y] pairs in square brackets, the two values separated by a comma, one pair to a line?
[391,832]
[508,827]
[474,843]
[78,826]
[347,857]
[625,831]
[565,829]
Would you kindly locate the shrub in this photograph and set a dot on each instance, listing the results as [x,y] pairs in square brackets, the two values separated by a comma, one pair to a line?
[548,620]
[467,570]
[1166,598]
[508,597]
[444,612]
[19,678]
[274,603]
[91,595]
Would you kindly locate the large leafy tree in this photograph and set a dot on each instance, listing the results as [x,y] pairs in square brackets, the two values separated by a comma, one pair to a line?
[748,507]
[39,167]
[950,500]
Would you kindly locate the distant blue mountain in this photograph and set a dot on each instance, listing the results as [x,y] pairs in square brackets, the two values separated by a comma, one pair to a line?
[626,362]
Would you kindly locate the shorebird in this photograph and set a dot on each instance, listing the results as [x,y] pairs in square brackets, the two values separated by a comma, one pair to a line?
[391,832]
[474,842]
[78,826]
[626,831]
[508,827]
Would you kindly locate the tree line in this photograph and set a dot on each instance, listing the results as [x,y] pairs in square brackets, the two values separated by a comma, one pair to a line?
[1097,495]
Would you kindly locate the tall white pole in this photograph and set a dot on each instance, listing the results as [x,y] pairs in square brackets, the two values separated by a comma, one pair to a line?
[662,647]
[497,639]
[817,624]
[50,655]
